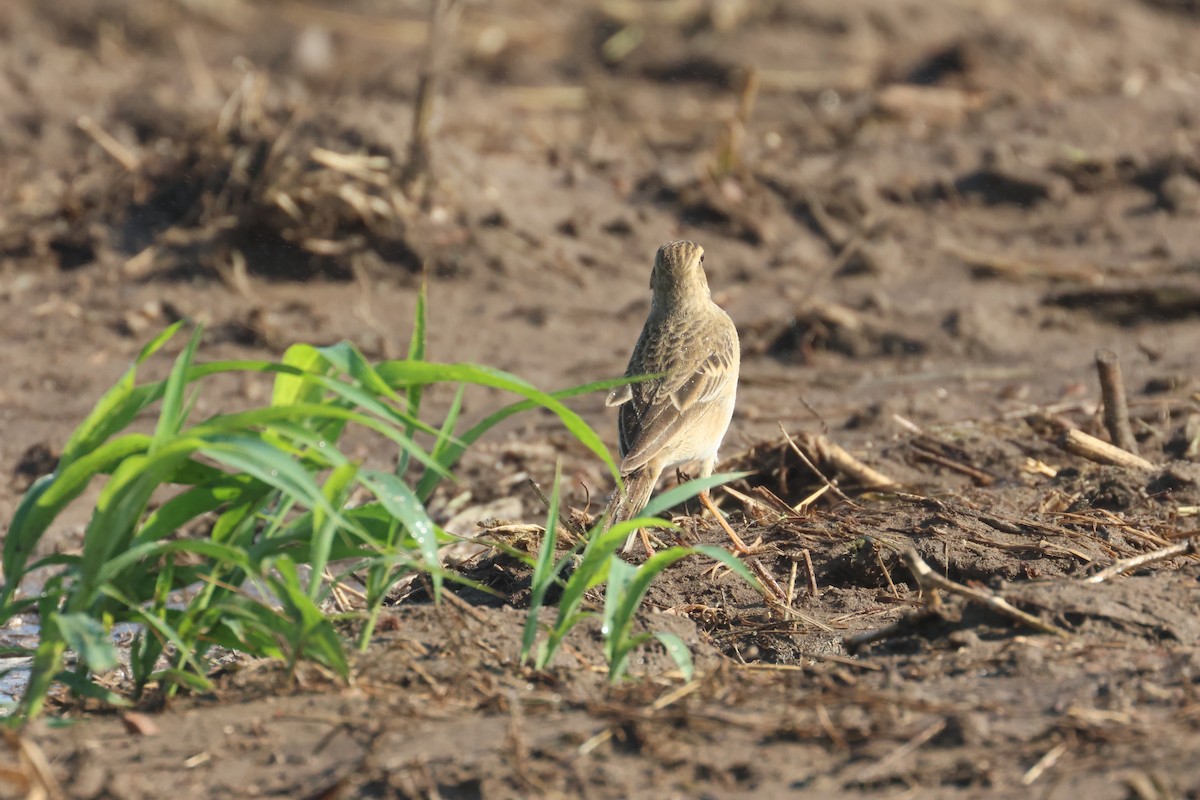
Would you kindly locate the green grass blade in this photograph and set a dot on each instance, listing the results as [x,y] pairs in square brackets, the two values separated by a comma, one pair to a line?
[186,506]
[265,418]
[687,490]
[291,388]
[544,571]
[626,593]
[620,618]
[50,494]
[453,451]
[350,360]
[337,489]
[121,502]
[47,661]
[309,631]
[620,575]
[86,636]
[260,460]
[398,499]
[416,352]
[150,551]
[180,677]
[442,450]
[679,653]
[171,415]
[416,343]
[593,569]
[115,409]
[185,649]
[81,686]
[406,373]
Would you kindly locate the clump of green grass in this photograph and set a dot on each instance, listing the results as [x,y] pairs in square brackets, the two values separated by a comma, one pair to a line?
[270,491]
[625,584]
[271,488]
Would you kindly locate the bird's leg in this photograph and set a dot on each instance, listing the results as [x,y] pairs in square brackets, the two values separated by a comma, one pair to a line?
[706,469]
[646,542]
[738,544]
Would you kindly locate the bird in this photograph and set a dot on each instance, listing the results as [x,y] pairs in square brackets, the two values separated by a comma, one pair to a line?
[681,415]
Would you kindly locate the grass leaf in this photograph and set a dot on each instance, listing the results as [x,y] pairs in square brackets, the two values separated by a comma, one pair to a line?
[87,637]
[687,490]
[679,653]
[545,570]
[407,373]
[171,416]
[400,501]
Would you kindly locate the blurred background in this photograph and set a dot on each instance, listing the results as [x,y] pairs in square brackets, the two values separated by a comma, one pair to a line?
[922,210]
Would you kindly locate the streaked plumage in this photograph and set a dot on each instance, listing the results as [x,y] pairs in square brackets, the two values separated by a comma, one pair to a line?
[681,416]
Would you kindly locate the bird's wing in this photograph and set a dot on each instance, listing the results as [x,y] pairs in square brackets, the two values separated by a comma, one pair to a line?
[661,408]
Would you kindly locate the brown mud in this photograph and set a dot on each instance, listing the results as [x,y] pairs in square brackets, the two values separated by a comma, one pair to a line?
[925,218]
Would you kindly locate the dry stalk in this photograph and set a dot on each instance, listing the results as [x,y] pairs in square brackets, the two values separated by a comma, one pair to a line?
[109,143]
[1116,410]
[1185,548]
[516,741]
[880,767]
[1044,763]
[898,628]
[929,580]
[812,575]
[667,700]
[1100,451]
[1022,269]
[828,451]
[404,33]
[803,506]
[34,767]
[203,82]
[926,453]
[727,158]
[808,462]
[768,580]
[831,731]
[416,177]
[564,522]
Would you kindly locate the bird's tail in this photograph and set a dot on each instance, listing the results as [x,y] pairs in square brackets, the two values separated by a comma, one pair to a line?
[627,504]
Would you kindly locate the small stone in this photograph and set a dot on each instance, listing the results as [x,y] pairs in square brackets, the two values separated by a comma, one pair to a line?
[1180,194]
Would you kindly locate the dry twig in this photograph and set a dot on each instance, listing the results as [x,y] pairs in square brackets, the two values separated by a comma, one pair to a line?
[109,144]
[1185,548]
[929,580]
[1116,410]
[416,175]
[565,522]
[880,767]
[33,768]
[1044,763]
[1100,451]
[828,451]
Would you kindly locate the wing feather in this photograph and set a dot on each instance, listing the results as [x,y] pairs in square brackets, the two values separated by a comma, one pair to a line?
[658,410]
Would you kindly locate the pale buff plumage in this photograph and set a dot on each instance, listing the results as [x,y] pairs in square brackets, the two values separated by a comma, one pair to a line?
[683,415]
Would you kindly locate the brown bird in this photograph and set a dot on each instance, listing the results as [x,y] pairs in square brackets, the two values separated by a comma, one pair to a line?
[682,415]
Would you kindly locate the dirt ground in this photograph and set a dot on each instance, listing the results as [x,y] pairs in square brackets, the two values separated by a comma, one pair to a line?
[925,218]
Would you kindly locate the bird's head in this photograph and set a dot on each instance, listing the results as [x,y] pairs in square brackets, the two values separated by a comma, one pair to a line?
[678,274]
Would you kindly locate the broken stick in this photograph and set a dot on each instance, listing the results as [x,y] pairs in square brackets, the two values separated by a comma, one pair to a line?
[1100,451]
[1185,548]
[1116,410]
[824,450]
[416,176]
[929,580]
